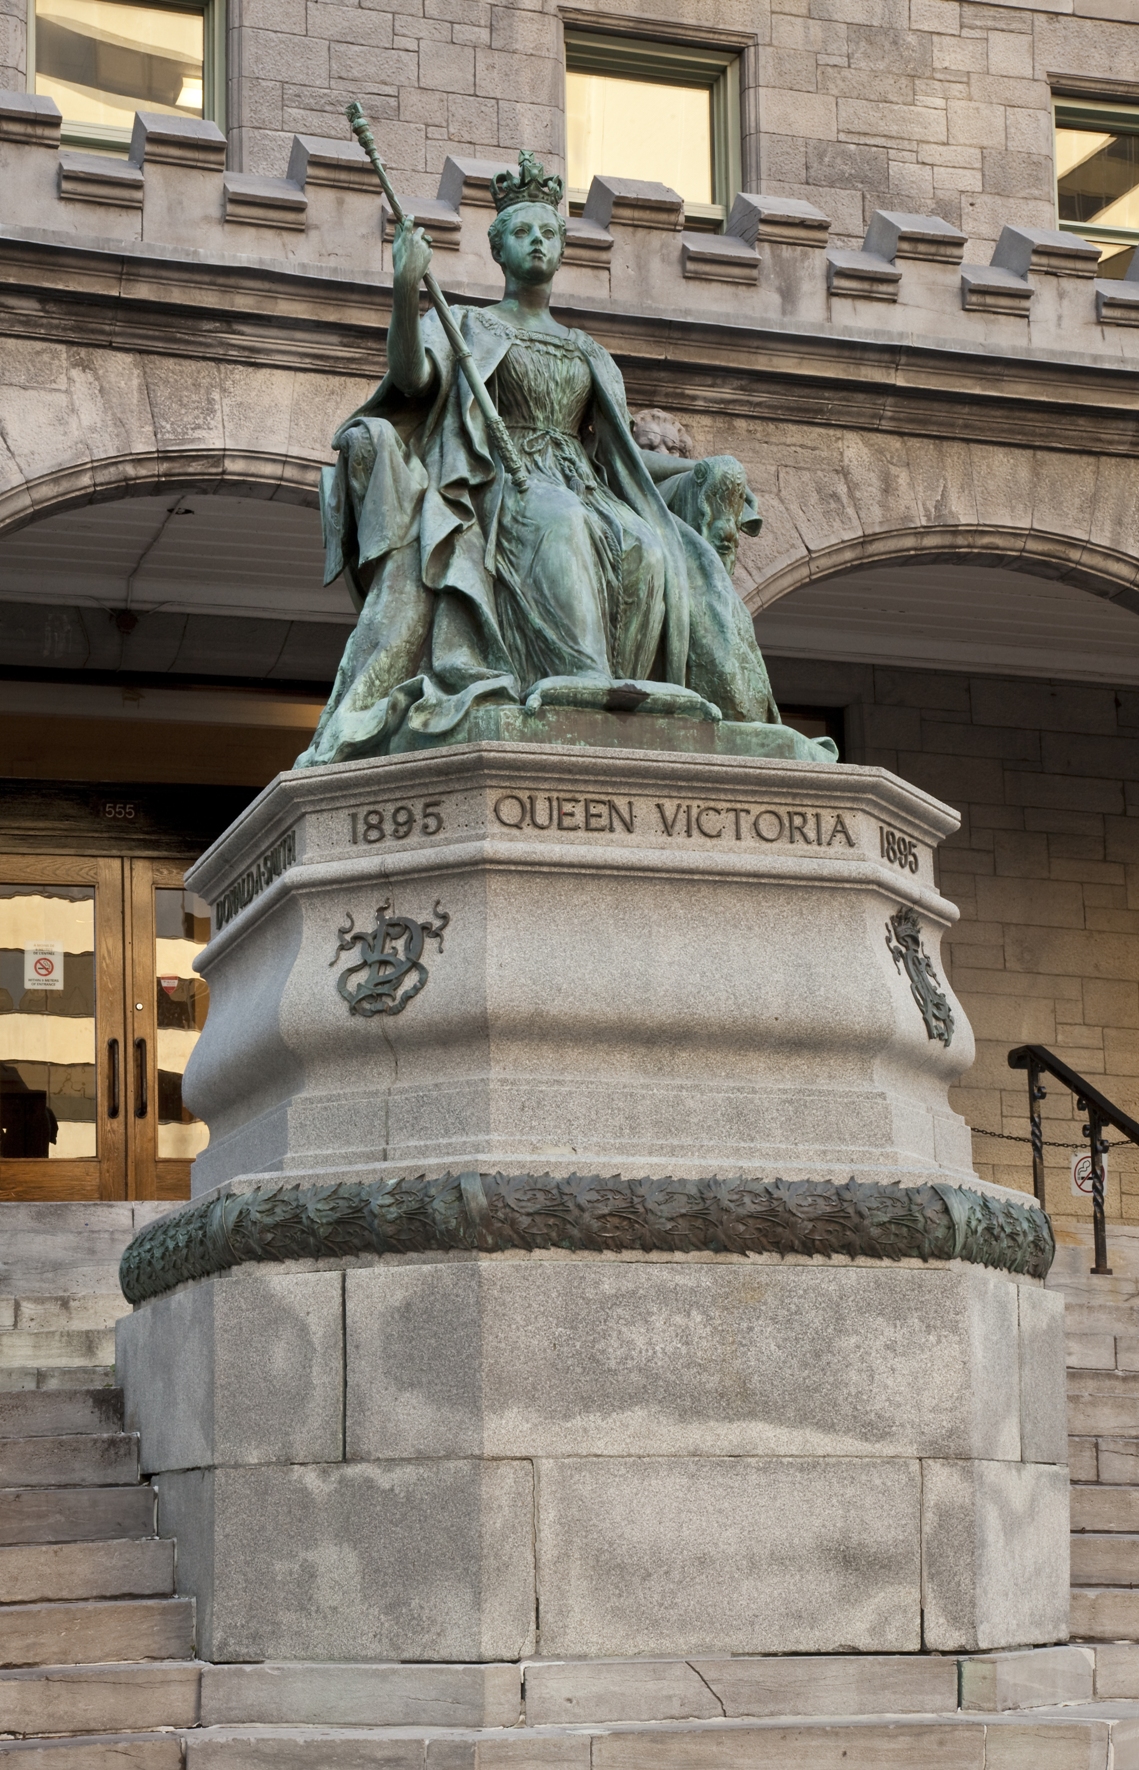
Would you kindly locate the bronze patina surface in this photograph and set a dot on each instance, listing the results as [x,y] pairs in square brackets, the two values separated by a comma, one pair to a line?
[491,1213]
[598,577]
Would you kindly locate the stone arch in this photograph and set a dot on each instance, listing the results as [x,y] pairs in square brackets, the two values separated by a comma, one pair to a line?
[83,426]
[277,477]
[1098,570]
[834,500]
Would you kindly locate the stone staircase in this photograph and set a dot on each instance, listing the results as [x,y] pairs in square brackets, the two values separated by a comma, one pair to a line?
[93,1643]
[59,1291]
[58,1342]
[1102,1320]
[96,1651]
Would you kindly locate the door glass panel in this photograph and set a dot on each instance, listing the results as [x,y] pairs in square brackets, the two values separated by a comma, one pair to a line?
[182,928]
[47,1021]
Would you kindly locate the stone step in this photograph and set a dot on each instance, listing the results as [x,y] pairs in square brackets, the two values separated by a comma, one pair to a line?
[1117,1671]
[1100,1318]
[1103,1352]
[1090,1351]
[1117,1461]
[75,1514]
[77,1459]
[1117,1385]
[97,1631]
[118,1751]
[553,1693]
[100,1698]
[67,1346]
[97,1312]
[61,1411]
[1104,1559]
[1104,1613]
[64,1376]
[1048,1739]
[1070,1274]
[33,1573]
[1103,1416]
[57,1250]
[1104,1508]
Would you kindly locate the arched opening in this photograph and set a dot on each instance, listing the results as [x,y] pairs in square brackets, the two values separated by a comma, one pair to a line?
[164,654]
[964,613]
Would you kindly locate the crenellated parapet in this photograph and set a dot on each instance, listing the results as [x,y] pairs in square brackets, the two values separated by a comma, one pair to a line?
[172,197]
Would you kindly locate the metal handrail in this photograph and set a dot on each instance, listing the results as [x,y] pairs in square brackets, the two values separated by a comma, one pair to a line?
[1101,1111]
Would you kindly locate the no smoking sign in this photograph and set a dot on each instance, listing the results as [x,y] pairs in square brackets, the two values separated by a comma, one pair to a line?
[43,965]
[1082,1172]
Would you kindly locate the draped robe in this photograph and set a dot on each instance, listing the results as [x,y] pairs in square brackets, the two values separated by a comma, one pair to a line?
[429,535]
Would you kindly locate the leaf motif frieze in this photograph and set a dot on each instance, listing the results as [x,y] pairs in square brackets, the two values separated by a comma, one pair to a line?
[495,1213]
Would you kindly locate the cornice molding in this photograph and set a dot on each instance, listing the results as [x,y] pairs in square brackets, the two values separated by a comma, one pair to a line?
[102,295]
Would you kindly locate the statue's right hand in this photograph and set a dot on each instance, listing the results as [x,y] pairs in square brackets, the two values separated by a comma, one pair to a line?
[411,253]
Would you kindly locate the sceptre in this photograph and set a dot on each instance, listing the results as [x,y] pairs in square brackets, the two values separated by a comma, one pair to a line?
[504,442]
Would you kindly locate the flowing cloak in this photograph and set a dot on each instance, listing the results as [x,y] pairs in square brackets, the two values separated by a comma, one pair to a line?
[411,513]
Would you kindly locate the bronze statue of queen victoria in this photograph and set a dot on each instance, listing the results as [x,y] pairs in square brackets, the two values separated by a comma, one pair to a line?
[604,577]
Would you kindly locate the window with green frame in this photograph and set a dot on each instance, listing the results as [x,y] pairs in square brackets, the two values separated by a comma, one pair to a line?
[638,108]
[103,60]
[1097,178]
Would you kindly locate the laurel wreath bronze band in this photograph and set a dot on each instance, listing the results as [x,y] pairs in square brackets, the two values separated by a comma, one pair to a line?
[491,1213]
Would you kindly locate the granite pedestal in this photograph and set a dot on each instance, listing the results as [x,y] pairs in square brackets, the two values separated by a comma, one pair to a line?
[587,1263]
[652,965]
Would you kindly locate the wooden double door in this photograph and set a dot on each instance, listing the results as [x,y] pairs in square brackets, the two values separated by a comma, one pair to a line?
[99,1010]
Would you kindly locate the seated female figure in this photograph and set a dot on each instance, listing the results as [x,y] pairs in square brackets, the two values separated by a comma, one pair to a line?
[606,576]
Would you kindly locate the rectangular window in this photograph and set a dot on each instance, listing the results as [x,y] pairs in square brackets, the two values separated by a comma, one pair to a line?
[103,60]
[1097,178]
[637,108]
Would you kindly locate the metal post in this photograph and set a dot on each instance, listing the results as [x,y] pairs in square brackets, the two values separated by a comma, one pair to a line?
[1036,1093]
[1093,1131]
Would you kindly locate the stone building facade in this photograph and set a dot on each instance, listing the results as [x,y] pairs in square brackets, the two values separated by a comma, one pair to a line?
[936,107]
[931,383]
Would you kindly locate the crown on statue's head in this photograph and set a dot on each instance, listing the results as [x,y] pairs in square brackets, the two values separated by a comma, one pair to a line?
[530,186]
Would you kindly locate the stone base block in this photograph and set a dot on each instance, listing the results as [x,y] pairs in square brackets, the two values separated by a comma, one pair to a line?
[292,1694]
[729,1554]
[373,1561]
[542,1694]
[1044,1675]
[484,1457]
[1055,1739]
[995,1553]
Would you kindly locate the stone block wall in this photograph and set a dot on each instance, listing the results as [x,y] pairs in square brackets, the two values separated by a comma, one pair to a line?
[929,106]
[937,106]
[1045,870]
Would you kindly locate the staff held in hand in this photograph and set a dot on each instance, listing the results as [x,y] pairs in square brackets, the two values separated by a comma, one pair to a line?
[503,441]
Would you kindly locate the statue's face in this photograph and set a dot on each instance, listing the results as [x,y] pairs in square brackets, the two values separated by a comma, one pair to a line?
[530,248]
